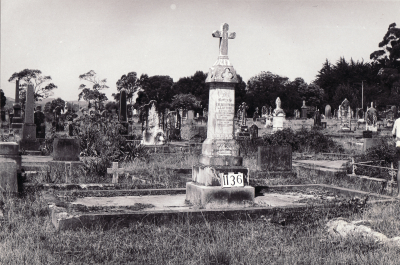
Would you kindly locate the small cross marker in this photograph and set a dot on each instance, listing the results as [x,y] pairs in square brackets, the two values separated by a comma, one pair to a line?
[115,171]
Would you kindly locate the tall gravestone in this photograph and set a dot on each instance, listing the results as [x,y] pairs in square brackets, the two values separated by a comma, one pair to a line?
[29,130]
[304,110]
[371,118]
[220,178]
[345,115]
[123,114]
[39,120]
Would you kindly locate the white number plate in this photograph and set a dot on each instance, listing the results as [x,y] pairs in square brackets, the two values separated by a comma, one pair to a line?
[232,180]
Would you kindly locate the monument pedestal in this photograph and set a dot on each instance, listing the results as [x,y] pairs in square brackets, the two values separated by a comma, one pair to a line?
[29,131]
[209,196]
[277,123]
[220,179]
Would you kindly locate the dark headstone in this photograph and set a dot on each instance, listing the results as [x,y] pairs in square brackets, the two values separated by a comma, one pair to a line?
[274,158]
[66,149]
[122,106]
[253,131]
[39,120]
[3,116]
[317,118]
[71,129]
[367,134]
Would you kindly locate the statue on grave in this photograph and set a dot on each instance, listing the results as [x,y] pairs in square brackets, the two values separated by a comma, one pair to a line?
[371,116]
[243,115]
[278,110]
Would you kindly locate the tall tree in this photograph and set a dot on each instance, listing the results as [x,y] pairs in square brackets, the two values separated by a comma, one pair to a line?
[92,91]
[388,59]
[130,82]
[264,88]
[158,88]
[41,87]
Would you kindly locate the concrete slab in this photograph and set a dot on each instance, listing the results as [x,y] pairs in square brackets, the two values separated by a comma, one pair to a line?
[338,165]
[160,202]
[121,211]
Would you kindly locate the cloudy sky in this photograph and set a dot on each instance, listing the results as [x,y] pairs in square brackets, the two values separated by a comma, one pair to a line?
[66,38]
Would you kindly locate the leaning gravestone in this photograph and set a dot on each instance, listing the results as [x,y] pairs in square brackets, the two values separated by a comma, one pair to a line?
[220,178]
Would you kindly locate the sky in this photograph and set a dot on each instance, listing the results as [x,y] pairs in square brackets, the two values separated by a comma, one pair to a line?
[67,38]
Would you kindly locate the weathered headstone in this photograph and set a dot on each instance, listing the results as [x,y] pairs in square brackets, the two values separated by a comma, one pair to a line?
[29,130]
[253,131]
[389,118]
[152,133]
[328,112]
[371,117]
[264,111]
[220,177]
[274,158]
[66,159]
[17,121]
[345,115]
[243,114]
[279,116]
[10,166]
[304,110]
[256,115]
[39,120]
[317,118]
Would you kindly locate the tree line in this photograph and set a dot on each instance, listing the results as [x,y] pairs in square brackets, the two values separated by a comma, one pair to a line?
[379,79]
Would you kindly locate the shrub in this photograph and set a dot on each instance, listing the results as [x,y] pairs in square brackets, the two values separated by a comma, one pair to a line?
[303,140]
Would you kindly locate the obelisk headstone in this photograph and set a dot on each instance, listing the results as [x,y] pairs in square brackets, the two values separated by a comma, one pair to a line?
[220,177]
[29,130]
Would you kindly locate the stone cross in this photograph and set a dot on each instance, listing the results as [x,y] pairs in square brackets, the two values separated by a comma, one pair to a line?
[223,36]
[115,171]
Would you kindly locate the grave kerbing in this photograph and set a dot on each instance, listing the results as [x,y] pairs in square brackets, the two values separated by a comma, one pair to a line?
[220,178]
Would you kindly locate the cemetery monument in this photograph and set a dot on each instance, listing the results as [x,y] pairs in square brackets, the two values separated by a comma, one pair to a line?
[279,116]
[371,117]
[220,178]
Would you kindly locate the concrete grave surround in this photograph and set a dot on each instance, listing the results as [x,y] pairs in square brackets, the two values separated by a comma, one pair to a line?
[220,151]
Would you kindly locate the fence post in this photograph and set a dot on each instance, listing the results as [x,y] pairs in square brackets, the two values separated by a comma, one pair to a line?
[354,166]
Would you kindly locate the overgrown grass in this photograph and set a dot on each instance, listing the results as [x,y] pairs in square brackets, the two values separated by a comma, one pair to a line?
[27,237]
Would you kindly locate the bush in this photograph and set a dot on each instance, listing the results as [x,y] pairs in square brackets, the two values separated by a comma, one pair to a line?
[303,140]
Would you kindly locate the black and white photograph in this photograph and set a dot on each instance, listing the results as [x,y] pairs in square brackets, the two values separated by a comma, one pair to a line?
[200,132]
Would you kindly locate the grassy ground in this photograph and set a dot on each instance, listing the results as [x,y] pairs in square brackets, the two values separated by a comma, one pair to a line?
[27,237]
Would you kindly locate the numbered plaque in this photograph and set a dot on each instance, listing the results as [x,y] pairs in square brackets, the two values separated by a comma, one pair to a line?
[232,180]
